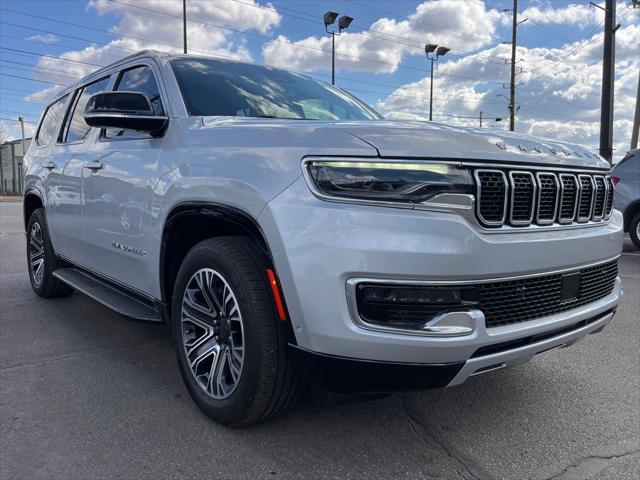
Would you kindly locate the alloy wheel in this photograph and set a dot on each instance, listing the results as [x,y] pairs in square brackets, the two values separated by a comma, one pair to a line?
[212,333]
[36,253]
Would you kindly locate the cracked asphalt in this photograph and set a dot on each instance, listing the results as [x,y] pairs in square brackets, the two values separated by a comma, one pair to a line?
[85,393]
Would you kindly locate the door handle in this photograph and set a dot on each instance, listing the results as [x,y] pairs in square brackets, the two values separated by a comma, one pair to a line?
[50,165]
[94,166]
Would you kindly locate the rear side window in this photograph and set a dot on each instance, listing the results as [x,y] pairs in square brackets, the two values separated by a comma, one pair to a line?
[76,128]
[50,122]
[138,79]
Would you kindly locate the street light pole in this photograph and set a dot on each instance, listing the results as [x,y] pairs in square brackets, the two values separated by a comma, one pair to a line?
[184,26]
[343,23]
[433,52]
[431,93]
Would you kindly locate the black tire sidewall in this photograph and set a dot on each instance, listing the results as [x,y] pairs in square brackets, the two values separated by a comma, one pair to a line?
[227,410]
[50,261]
[633,225]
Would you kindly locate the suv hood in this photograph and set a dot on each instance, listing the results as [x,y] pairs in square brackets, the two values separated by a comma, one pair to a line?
[409,139]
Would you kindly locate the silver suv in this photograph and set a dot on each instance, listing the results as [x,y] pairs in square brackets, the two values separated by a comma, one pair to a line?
[290,235]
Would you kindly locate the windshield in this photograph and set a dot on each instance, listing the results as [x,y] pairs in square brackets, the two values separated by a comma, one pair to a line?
[218,87]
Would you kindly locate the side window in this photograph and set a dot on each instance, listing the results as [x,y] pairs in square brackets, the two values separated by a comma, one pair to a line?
[76,128]
[137,79]
[50,122]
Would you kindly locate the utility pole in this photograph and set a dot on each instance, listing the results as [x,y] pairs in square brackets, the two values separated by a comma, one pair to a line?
[636,119]
[24,149]
[184,25]
[480,118]
[24,153]
[608,75]
[512,86]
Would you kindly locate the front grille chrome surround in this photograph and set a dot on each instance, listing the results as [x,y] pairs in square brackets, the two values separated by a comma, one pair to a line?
[547,198]
[568,197]
[585,198]
[522,198]
[486,178]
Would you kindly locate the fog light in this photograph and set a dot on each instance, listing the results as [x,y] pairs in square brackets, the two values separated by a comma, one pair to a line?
[410,306]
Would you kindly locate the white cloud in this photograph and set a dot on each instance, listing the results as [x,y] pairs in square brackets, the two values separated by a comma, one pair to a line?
[440,21]
[47,38]
[560,97]
[580,15]
[11,130]
[142,29]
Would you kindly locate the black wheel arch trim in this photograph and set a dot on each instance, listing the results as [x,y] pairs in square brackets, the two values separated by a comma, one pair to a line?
[224,212]
[30,191]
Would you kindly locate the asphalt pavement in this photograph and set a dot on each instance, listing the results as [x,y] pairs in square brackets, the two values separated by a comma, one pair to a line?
[85,393]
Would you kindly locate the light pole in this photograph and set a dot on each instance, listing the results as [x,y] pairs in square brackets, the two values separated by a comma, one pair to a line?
[184,26]
[433,52]
[343,24]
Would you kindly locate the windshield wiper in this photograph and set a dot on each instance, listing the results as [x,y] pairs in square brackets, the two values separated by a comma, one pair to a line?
[280,118]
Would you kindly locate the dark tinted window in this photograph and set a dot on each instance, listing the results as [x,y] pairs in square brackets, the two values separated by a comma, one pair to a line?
[217,87]
[138,79]
[77,128]
[50,122]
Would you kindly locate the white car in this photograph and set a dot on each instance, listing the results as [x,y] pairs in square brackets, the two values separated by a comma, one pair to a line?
[289,234]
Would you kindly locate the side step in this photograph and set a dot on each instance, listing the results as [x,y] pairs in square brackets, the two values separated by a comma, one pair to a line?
[109,295]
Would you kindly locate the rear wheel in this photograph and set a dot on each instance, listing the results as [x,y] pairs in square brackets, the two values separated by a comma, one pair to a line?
[230,345]
[634,230]
[42,260]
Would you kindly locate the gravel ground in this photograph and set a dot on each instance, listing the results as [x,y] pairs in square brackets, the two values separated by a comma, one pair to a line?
[85,393]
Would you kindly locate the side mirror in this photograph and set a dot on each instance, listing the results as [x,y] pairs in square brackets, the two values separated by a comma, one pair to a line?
[125,110]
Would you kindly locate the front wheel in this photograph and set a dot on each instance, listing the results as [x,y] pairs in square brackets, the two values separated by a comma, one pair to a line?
[230,345]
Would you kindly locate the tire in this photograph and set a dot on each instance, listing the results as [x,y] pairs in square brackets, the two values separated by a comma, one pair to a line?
[634,225]
[42,260]
[248,384]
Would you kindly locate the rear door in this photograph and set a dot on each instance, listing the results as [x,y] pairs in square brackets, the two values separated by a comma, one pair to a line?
[118,191]
[53,168]
[72,155]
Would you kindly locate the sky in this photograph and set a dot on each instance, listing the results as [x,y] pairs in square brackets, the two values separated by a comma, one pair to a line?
[48,44]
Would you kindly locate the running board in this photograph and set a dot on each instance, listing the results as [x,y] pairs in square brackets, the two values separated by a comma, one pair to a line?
[109,295]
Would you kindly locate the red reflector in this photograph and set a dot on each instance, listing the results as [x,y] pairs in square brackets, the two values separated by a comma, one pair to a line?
[276,294]
[615,179]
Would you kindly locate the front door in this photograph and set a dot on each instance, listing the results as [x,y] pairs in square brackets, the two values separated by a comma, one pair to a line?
[117,186]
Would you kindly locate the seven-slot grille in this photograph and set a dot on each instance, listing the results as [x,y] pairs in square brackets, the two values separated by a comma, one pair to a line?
[514,301]
[522,198]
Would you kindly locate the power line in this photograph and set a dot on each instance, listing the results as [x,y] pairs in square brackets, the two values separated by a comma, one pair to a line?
[278,40]
[27,78]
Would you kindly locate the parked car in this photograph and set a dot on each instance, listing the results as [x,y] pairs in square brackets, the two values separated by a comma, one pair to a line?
[626,177]
[291,235]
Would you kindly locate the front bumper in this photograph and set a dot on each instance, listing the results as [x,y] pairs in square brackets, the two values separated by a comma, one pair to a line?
[365,377]
[319,246]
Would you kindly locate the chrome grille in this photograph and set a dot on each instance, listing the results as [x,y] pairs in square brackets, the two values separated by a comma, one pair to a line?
[609,198]
[600,197]
[523,194]
[522,198]
[585,201]
[548,192]
[492,196]
[569,188]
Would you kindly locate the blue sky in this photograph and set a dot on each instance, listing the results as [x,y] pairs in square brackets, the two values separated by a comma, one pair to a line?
[380,57]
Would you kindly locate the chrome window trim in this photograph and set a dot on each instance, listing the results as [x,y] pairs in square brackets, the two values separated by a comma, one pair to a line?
[513,193]
[479,196]
[595,216]
[539,199]
[593,198]
[564,221]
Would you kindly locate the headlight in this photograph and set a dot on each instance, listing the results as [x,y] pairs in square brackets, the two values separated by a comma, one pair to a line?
[397,182]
